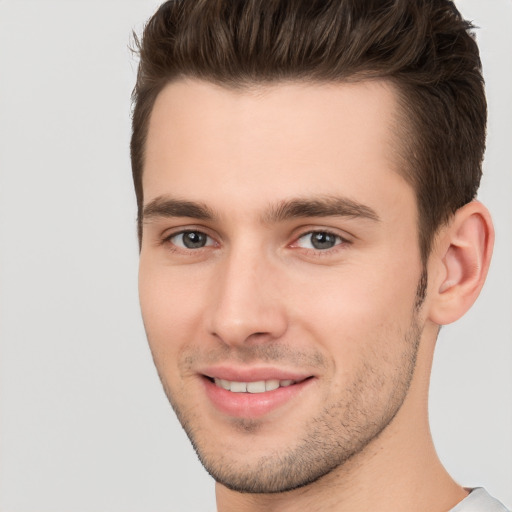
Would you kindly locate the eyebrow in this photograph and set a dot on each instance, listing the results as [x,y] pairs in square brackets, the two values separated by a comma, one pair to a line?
[170,207]
[323,206]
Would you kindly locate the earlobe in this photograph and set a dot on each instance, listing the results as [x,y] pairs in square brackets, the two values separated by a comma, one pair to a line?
[463,261]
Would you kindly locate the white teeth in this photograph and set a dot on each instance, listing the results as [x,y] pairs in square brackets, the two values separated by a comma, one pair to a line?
[238,387]
[256,387]
[224,383]
[270,385]
[259,386]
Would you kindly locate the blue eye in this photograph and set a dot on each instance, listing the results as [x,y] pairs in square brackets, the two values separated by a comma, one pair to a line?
[319,240]
[191,240]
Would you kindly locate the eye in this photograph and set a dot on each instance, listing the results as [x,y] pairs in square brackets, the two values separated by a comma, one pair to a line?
[319,240]
[190,240]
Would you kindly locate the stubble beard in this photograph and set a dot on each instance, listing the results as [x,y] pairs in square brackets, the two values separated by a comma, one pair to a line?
[336,435]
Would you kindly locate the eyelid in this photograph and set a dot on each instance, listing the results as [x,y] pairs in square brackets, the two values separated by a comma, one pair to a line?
[166,238]
[208,240]
[344,240]
[344,237]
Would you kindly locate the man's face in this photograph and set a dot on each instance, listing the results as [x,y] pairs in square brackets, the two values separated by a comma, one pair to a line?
[278,274]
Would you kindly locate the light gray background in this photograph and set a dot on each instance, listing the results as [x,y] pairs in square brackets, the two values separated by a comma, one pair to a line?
[84,424]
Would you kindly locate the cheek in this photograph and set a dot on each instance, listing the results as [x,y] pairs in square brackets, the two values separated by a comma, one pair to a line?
[367,291]
[171,308]
[357,305]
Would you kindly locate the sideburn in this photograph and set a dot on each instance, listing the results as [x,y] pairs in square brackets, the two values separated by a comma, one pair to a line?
[421,290]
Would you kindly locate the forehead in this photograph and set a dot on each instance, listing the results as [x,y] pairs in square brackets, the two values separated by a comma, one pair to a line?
[244,147]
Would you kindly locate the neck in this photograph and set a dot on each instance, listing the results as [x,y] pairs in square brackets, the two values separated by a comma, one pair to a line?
[398,471]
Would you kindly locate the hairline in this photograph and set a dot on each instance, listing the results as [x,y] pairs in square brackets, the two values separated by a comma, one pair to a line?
[403,139]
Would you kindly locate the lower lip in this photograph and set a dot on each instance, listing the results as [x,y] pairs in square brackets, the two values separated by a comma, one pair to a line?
[252,405]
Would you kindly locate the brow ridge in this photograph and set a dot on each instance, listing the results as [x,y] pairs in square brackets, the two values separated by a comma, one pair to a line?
[170,207]
[324,206]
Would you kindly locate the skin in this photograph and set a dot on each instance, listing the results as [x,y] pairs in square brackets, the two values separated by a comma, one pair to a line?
[260,295]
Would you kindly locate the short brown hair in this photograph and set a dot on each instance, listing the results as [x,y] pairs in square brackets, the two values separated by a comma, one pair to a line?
[424,47]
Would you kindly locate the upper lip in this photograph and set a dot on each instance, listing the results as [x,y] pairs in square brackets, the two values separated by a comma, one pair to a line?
[253,374]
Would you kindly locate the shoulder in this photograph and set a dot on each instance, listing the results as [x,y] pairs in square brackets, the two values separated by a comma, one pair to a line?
[479,500]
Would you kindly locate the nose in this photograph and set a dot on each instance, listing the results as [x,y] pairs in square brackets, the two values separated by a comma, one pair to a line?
[246,306]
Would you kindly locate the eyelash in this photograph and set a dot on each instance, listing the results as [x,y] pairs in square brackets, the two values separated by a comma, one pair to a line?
[167,240]
[340,241]
[340,244]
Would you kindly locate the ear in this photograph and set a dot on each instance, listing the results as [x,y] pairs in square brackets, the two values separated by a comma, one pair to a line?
[460,262]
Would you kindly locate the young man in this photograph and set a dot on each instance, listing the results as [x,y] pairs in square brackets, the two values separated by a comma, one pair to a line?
[305,175]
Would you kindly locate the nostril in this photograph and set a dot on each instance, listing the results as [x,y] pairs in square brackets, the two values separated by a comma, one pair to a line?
[251,323]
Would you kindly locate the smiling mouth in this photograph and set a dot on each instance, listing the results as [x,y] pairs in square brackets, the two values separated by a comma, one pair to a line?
[247,397]
[260,386]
